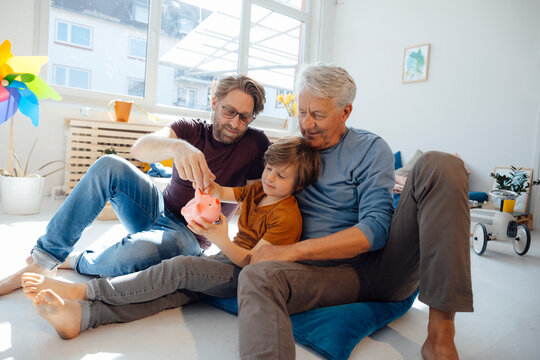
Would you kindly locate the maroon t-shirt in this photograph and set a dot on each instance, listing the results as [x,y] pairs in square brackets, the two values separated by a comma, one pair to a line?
[232,164]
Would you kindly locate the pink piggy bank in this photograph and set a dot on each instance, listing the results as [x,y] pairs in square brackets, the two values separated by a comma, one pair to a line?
[202,206]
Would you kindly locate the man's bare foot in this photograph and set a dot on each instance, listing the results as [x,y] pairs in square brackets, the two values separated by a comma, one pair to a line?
[13,282]
[439,343]
[64,315]
[34,283]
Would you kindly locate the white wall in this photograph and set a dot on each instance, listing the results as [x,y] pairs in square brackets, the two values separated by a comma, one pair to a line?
[482,96]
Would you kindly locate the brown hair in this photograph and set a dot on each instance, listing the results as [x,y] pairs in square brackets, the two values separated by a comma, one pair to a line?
[295,150]
[245,84]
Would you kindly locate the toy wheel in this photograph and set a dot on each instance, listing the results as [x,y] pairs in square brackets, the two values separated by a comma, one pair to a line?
[522,242]
[479,239]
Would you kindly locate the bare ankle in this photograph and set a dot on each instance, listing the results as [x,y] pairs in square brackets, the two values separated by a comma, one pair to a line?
[439,343]
[13,281]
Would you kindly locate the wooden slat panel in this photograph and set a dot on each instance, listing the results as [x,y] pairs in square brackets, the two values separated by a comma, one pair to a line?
[88,139]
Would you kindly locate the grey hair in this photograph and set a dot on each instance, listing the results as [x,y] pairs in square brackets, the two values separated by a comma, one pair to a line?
[327,82]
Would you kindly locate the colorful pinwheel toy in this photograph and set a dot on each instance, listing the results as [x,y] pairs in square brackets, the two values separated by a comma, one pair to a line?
[21,87]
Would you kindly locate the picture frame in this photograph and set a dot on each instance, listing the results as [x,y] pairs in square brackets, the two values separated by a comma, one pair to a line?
[415,63]
[523,198]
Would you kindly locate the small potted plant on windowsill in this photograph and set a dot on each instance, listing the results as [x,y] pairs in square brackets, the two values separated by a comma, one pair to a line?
[516,181]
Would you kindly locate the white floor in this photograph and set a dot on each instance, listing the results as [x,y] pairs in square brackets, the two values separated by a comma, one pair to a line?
[505,324]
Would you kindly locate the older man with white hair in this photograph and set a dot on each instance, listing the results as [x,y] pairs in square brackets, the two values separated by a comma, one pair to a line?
[354,246]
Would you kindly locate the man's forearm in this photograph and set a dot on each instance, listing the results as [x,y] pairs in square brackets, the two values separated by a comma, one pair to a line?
[155,148]
[344,244]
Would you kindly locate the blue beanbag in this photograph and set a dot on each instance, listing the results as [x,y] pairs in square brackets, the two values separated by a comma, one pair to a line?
[334,331]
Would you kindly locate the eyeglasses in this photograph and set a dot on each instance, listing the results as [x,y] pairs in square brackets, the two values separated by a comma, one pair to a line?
[229,112]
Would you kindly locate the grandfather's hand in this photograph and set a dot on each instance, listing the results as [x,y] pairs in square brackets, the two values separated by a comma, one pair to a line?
[191,165]
[264,251]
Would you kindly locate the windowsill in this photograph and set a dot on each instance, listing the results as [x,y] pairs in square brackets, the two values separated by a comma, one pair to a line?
[95,106]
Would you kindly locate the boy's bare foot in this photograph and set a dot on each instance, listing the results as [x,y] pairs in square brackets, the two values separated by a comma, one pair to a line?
[13,282]
[64,315]
[65,265]
[34,283]
[439,343]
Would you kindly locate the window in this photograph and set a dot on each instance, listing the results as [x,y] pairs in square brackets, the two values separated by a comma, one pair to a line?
[137,48]
[72,34]
[186,97]
[140,11]
[275,54]
[136,87]
[68,76]
[196,42]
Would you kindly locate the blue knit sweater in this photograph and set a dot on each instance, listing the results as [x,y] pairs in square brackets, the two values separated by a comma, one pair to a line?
[354,189]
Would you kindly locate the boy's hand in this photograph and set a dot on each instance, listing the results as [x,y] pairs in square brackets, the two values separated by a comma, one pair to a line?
[215,232]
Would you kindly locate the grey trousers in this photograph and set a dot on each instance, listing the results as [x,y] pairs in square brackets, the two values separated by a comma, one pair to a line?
[428,247]
[172,283]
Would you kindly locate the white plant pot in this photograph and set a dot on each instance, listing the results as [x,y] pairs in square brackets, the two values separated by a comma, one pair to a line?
[21,195]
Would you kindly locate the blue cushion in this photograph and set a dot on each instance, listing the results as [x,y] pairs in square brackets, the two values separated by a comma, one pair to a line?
[334,331]
[478,196]
[397,160]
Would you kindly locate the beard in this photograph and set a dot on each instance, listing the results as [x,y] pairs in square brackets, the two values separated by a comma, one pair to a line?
[224,132]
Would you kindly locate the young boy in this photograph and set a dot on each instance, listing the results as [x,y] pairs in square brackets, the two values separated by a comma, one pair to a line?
[269,212]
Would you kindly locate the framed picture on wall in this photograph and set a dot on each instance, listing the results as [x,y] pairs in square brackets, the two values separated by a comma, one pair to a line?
[520,176]
[415,63]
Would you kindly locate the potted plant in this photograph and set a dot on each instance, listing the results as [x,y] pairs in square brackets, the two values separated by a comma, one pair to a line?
[20,90]
[516,181]
[22,190]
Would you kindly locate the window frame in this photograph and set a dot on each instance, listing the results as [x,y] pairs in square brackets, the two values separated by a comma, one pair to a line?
[310,45]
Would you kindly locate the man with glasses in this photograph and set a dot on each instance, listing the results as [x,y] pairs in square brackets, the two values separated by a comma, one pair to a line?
[227,151]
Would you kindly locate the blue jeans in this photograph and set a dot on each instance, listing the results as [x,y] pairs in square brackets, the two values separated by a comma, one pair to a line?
[155,233]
